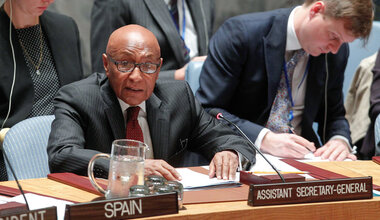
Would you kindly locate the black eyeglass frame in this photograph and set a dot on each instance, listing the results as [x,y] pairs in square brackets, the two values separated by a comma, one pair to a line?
[134,65]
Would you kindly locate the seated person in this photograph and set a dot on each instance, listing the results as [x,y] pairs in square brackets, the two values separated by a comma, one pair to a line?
[40,52]
[369,147]
[182,28]
[46,57]
[275,73]
[357,103]
[91,113]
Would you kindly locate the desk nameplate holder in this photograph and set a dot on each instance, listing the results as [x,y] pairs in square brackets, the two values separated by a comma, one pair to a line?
[38,214]
[126,208]
[310,191]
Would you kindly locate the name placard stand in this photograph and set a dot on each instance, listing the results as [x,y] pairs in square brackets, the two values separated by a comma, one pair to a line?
[125,208]
[310,191]
[38,214]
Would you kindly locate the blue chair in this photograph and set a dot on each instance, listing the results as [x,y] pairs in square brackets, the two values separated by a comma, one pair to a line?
[358,53]
[25,145]
[377,136]
[193,71]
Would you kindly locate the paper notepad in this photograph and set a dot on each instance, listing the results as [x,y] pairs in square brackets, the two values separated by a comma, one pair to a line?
[194,180]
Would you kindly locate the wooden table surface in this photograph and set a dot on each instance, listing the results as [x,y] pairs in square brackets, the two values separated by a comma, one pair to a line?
[354,209]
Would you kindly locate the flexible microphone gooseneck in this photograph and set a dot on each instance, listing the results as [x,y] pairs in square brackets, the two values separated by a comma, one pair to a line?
[219,116]
[14,175]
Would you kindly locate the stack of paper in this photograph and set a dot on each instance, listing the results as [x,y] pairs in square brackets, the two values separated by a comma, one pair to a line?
[193,180]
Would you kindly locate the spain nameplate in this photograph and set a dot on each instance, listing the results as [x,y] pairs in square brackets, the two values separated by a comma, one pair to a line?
[124,208]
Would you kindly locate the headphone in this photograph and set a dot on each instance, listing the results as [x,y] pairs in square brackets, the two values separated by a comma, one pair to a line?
[14,66]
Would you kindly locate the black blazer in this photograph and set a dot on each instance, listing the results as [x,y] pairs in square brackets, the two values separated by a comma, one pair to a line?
[63,39]
[243,69]
[88,118]
[109,15]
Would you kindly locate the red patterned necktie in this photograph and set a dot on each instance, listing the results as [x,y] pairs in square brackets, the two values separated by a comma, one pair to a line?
[133,130]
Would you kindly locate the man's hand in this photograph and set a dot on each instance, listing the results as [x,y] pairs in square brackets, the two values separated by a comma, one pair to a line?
[286,145]
[161,168]
[224,164]
[180,73]
[335,149]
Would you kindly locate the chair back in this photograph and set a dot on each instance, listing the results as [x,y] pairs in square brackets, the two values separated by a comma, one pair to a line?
[193,71]
[25,145]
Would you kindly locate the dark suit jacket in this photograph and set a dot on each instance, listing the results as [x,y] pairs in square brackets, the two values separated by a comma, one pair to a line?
[242,73]
[368,148]
[109,15]
[88,118]
[63,39]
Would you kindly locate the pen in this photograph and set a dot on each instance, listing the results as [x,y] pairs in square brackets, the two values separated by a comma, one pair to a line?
[291,129]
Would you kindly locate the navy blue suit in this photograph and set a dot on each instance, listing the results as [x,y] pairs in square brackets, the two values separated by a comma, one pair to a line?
[242,73]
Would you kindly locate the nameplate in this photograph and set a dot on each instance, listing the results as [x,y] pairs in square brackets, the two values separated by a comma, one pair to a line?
[310,191]
[38,214]
[138,207]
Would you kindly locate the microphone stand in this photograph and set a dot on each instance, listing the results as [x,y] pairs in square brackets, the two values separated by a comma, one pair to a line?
[14,175]
[219,115]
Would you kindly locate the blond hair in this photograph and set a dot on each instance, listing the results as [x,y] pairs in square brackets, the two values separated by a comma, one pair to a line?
[358,14]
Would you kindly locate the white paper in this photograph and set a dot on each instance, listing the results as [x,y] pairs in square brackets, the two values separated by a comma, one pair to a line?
[39,202]
[193,180]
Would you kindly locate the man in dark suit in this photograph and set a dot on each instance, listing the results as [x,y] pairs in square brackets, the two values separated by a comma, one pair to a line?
[90,114]
[193,24]
[247,74]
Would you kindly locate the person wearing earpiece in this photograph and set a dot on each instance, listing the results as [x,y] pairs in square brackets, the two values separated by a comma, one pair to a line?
[182,27]
[275,73]
[39,53]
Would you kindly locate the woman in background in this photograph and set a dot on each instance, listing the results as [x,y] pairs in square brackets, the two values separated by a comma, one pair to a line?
[40,52]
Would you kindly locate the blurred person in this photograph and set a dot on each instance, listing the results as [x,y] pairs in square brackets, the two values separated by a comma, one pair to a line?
[182,28]
[40,52]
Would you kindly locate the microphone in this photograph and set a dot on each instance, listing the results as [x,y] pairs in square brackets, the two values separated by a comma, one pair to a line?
[219,116]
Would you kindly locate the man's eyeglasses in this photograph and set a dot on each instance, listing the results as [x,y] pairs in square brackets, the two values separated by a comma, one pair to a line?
[126,67]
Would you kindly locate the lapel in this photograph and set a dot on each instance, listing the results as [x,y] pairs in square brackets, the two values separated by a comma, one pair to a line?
[158,120]
[199,21]
[161,14]
[315,87]
[274,52]
[112,109]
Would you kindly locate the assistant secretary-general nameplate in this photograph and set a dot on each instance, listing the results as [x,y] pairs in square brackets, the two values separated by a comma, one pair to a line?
[310,191]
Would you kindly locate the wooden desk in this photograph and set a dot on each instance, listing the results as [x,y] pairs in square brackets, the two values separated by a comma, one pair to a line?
[356,209]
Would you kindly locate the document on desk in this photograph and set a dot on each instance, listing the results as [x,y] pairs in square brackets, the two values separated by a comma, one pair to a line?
[262,166]
[192,180]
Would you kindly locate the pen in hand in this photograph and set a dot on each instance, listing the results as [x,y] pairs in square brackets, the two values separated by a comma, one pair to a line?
[291,129]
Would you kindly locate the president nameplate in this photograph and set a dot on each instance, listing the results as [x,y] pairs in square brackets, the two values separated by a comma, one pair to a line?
[127,208]
[38,214]
[310,191]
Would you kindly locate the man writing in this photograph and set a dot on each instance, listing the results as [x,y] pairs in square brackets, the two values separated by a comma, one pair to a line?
[275,73]
[91,113]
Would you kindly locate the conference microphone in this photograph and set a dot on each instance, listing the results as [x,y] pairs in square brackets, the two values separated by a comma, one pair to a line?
[14,175]
[219,116]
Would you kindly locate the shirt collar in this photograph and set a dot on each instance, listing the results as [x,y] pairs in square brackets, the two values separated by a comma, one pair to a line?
[124,106]
[292,42]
